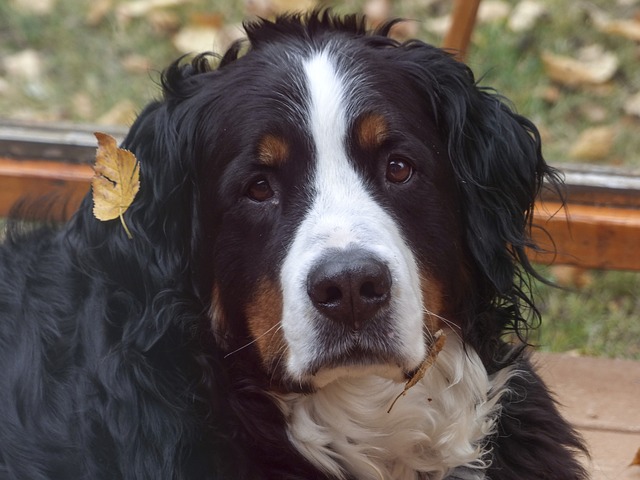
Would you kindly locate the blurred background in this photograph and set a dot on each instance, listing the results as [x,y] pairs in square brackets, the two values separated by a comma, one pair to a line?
[99,62]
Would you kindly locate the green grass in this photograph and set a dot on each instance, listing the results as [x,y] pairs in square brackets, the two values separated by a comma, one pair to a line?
[511,63]
[84,61]
[599,319]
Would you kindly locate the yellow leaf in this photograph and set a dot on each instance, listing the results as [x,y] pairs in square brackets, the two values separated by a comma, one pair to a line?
[426,364]
[116,181]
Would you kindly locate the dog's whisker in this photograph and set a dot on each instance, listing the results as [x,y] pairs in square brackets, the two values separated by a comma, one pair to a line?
[456,329]
[449,323]
[279,357]
[248,344]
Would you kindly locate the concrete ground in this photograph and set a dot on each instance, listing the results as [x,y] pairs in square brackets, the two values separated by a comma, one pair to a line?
[601,397]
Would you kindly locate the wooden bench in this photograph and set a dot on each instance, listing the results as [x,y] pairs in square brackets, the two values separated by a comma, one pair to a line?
[599,227]
[53,161]
[603,204]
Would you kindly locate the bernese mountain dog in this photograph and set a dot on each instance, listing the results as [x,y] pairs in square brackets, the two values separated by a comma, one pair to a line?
[322,209]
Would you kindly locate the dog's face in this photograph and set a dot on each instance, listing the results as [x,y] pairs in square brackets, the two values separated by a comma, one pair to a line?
[338,237]
[352,196]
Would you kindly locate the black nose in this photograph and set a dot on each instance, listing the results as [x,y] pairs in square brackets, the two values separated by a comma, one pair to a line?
[349,286]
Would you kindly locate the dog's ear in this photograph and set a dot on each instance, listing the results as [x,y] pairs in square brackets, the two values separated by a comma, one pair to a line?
[496,155]
[496,158]
[161,218]
[164,140]
[162,206]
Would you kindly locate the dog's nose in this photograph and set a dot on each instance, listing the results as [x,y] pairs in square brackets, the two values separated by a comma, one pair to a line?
[349,286]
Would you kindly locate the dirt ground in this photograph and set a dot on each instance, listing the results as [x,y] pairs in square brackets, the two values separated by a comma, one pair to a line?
[601,397]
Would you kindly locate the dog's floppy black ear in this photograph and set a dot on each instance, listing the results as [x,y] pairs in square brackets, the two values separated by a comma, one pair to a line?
[161,217]
[497,160]
[496,155]
[163,139]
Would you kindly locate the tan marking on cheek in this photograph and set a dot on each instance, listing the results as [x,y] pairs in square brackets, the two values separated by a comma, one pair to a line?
[434,303]
[273,151]
[264,314]
[371,131]
[218,319]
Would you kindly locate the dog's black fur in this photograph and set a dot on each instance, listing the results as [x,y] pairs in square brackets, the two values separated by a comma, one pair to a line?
[108,366]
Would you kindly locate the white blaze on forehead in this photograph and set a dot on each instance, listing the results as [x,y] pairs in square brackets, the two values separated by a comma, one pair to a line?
[342,214]
[338,188]
[327,119]
[327,116]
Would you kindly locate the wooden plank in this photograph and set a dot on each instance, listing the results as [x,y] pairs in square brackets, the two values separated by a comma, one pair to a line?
[603,203]
[588,236]
[47,160]
[599,185]
[463,19]
[69,143]
[61,185]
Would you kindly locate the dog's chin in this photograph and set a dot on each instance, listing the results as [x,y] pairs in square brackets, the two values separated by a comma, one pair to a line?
[353,361]
[325,376]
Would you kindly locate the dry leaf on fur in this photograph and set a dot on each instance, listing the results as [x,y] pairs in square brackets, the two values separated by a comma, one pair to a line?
[116,181]
[429,360]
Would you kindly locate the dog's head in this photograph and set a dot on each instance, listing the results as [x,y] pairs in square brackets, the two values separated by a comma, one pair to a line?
[339,197]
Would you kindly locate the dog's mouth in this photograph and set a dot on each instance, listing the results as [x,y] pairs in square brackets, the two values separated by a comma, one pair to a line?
[358,356]
[361,358]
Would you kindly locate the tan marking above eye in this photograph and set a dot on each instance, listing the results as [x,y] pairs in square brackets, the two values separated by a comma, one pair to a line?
[371,131]
[273,151]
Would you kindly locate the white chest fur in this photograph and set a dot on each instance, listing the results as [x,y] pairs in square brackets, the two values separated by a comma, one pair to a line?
[442,422]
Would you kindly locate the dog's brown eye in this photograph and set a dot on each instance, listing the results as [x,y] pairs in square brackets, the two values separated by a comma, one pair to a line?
[399,170]
[260,190]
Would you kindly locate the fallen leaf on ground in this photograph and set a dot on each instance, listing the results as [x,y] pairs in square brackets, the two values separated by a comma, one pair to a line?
[571,276]
[82,104]
[136,63]
[122,113]
[36,7]
[5,87]
[493,11]
[593,144]
[438,25]
[116,181]
[267,8]
[595,67]
[594,112]
[525,15]
[258,8]
[632,105]
[25,64]
[164,22]
[128,10]
[625,28]
[405,30]
[207,19]
[97,12]
[280,6]
[377,11]
[205,39]
[198,39]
